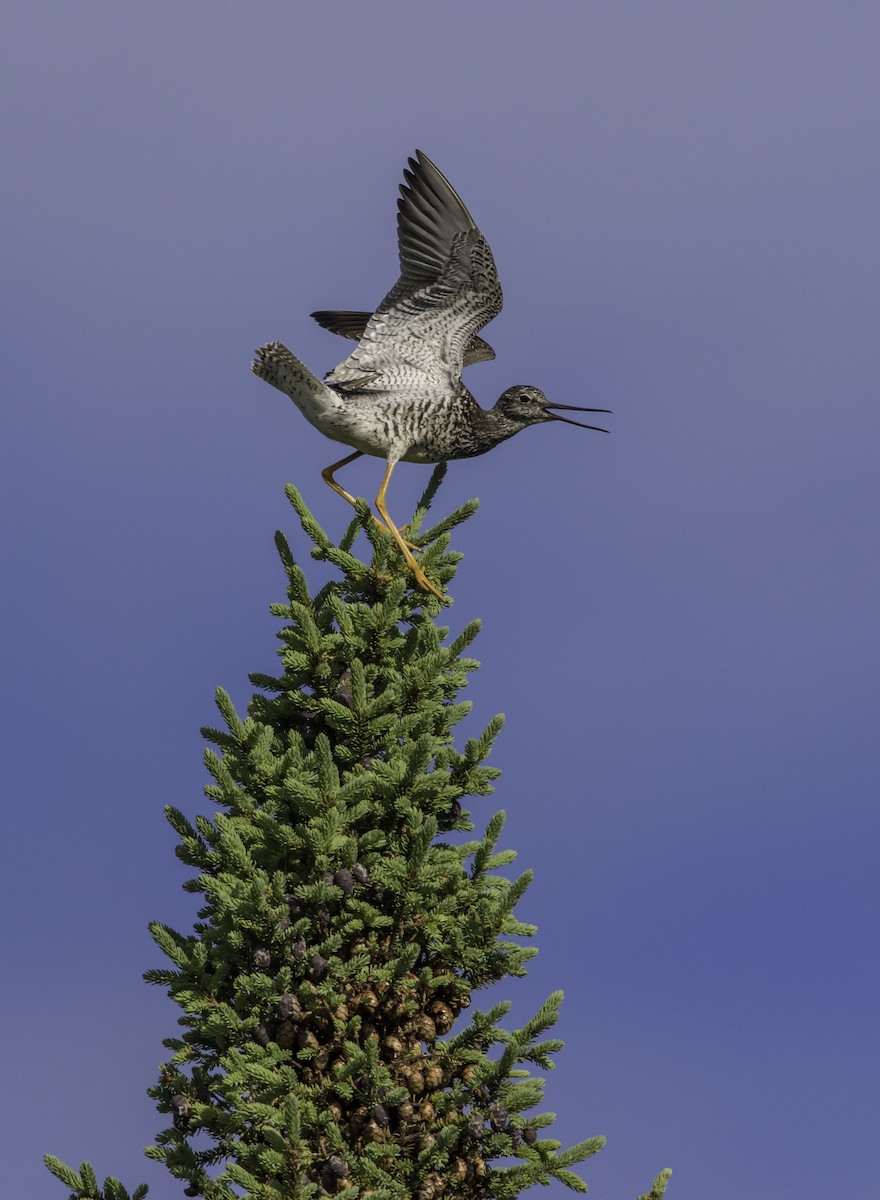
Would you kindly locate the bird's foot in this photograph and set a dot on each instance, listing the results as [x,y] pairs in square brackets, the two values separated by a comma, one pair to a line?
[425,584]
[409,545]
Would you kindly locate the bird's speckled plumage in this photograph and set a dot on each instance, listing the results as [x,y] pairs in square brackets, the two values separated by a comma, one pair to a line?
[399,395]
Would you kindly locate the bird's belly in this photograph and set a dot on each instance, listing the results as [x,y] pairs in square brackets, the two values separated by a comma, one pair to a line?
[380,442]
[356,428]
[421,454]
[383,429]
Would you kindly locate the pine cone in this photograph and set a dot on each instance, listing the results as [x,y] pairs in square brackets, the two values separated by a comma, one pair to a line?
[344,693]
[286,1035]
[424,1028]
[262,958]
[344,879]
[381,1117]
[433,1077]
[374,1132]
[181,1109]
[307,1040]
[415,1082]
[319,968]
[289,1007]
[442,1015]
[499,1118]
[451,817]
[475,1127]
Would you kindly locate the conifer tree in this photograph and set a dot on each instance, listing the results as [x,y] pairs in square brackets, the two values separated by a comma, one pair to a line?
[330,1044]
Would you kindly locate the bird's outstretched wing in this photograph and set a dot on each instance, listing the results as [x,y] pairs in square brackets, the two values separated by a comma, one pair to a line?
[350,324]
[448,290]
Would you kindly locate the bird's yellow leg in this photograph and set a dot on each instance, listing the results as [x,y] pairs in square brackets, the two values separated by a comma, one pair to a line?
[327,476]
[420,576]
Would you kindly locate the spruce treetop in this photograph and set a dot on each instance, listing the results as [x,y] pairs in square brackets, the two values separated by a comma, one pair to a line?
[330,1044]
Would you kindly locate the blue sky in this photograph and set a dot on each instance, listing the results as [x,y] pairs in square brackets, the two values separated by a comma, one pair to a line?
[680,619]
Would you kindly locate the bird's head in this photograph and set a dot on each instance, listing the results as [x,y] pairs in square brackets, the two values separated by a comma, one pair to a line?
[524,405]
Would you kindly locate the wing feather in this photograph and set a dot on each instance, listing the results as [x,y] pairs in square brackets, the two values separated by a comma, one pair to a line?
[350,324]
[422,332]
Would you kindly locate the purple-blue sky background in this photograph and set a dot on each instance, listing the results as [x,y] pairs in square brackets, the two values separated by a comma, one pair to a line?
[681,619]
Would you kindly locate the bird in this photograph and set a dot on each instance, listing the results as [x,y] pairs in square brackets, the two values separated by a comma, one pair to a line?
[399,395]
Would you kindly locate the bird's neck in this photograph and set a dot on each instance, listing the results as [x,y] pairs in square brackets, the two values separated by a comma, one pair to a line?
[476,430]
[495,427]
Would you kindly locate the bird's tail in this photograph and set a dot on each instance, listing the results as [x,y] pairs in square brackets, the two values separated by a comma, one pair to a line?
[276,364]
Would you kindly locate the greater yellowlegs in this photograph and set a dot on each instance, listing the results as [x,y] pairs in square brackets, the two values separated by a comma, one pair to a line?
[399,395]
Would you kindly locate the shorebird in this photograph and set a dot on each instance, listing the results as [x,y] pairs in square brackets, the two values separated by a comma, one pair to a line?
[400,395]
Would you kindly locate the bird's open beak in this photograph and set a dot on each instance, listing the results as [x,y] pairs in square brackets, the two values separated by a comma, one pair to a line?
[552,416]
